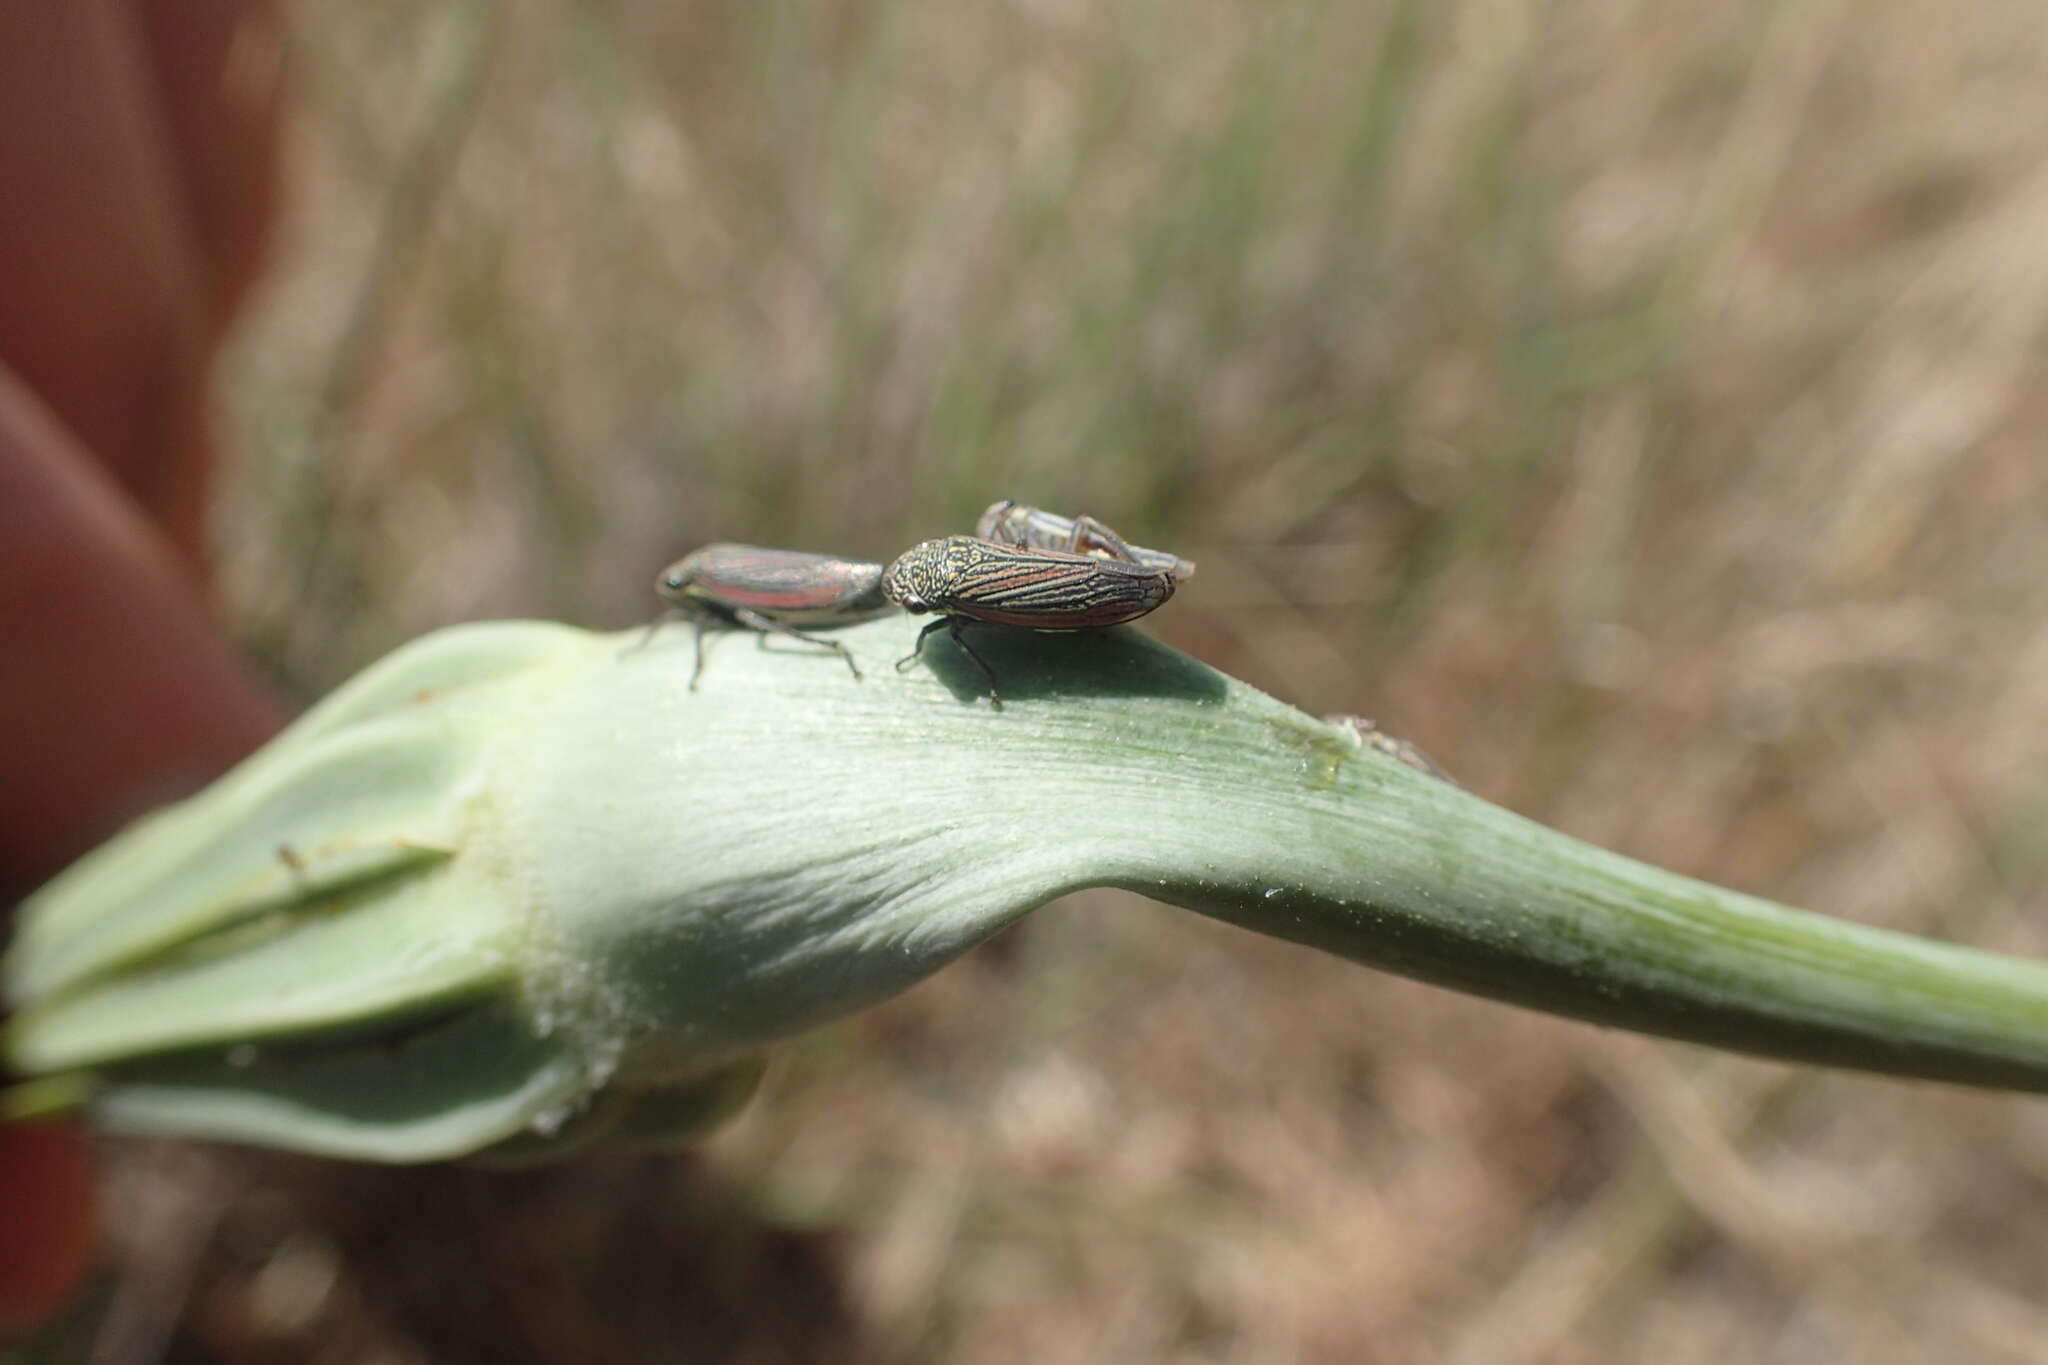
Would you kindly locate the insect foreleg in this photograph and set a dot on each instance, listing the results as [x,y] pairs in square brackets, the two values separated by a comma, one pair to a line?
[936,623]
[697,666]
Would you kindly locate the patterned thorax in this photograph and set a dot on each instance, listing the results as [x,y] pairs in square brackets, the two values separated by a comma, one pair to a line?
[918,578]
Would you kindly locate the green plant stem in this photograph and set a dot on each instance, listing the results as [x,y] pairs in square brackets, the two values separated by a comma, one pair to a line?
[522,887]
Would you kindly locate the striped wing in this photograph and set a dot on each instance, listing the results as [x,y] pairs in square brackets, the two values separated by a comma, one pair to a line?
[1048,590]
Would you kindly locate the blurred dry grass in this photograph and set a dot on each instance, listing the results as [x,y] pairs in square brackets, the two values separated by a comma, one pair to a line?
[1637,405]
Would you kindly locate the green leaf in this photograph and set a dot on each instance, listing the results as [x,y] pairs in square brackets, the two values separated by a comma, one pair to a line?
[538,893]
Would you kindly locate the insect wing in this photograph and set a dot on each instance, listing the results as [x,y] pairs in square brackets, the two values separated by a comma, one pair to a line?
[791,585]
[1012,523]
[1050,590]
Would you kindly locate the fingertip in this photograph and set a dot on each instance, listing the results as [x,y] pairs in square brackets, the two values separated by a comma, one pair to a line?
[121,689]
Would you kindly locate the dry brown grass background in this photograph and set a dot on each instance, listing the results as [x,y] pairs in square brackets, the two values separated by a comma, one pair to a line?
[1638,405]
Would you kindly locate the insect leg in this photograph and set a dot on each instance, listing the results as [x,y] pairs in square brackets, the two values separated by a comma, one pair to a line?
[936,623]
[768,625]
[995,695]
[647,636]
[697,668]
[953,626]
[1089,534]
